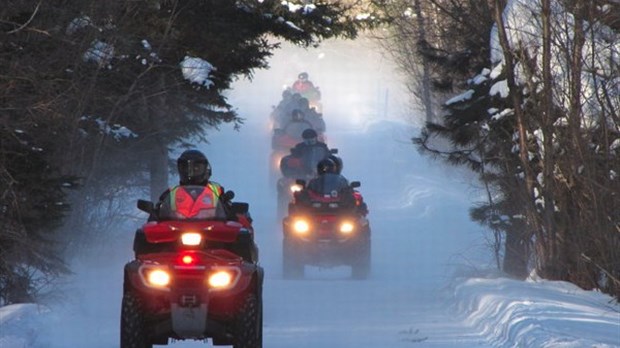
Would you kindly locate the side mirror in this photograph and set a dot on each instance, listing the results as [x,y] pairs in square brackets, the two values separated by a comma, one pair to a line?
[355,184]
[228,195]
[333,151]
[146,206]
[301,182]
[240,208]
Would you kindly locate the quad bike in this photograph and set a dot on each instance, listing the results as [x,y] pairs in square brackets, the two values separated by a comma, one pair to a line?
[193,279]
[282,141]
[293,169]
[326,229]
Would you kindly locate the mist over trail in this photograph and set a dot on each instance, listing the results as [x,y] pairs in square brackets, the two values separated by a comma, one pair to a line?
[418,211]
[418,216]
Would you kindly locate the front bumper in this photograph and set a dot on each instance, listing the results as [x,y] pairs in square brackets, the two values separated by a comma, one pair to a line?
[188,308]
[325,245]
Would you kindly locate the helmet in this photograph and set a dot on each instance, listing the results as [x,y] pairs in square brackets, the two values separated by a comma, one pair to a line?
[303,76]
[338,163]
[325,166]
[194,168]
[303,103]
[309,134]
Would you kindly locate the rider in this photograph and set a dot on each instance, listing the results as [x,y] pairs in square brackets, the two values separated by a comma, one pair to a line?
[332,179]
[328,179]
[298,124]
[312,115]
[197,197]
[282,112]
[304,156]
[185,200]
[310,151]
[306,88]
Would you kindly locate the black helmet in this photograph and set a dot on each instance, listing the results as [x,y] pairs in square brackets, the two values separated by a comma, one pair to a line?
[309,134]
[338,162]
[325,166]
[194,168]
[303,103]
[303,76]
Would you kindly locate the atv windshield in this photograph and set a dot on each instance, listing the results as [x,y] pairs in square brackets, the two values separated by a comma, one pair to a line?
[294,129]
[330,184]
[191,203]
[311,156]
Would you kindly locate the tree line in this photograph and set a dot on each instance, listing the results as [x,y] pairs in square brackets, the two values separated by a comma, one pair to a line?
[525,94]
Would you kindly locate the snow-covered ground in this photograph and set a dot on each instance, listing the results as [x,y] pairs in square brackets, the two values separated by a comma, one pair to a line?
[432,282]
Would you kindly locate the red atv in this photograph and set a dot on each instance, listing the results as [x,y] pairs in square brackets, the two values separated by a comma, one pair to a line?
[193,279]
[295,168]
[326,228]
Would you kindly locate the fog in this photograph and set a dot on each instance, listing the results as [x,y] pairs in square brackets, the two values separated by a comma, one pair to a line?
[421,233]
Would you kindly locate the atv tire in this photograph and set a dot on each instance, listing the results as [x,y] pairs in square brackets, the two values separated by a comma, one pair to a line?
[292,267]
[133,328]
[249,324]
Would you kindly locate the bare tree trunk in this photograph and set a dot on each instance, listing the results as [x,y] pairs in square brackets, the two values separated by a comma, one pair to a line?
[555,258]
[515,254]
[158,164]
[587,225]
[517,102]
[426,79]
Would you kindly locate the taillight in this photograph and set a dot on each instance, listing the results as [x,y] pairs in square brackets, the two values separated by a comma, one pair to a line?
[187,260]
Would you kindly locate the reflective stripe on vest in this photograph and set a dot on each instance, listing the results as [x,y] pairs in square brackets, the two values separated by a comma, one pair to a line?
[183,203]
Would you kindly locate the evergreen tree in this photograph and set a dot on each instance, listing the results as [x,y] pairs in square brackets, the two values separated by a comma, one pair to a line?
[100,87]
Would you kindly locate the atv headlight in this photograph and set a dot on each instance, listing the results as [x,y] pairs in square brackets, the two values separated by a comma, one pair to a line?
[220,279]
[223,278]
[295,188]
[155,276]
[158,277]
[191,238]
[347,227]
[301,226]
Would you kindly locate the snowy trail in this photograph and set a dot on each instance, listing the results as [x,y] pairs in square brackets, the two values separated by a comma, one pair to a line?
[418,233]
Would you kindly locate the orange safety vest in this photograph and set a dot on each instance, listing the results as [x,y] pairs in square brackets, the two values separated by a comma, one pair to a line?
[183,203]
[302,86]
